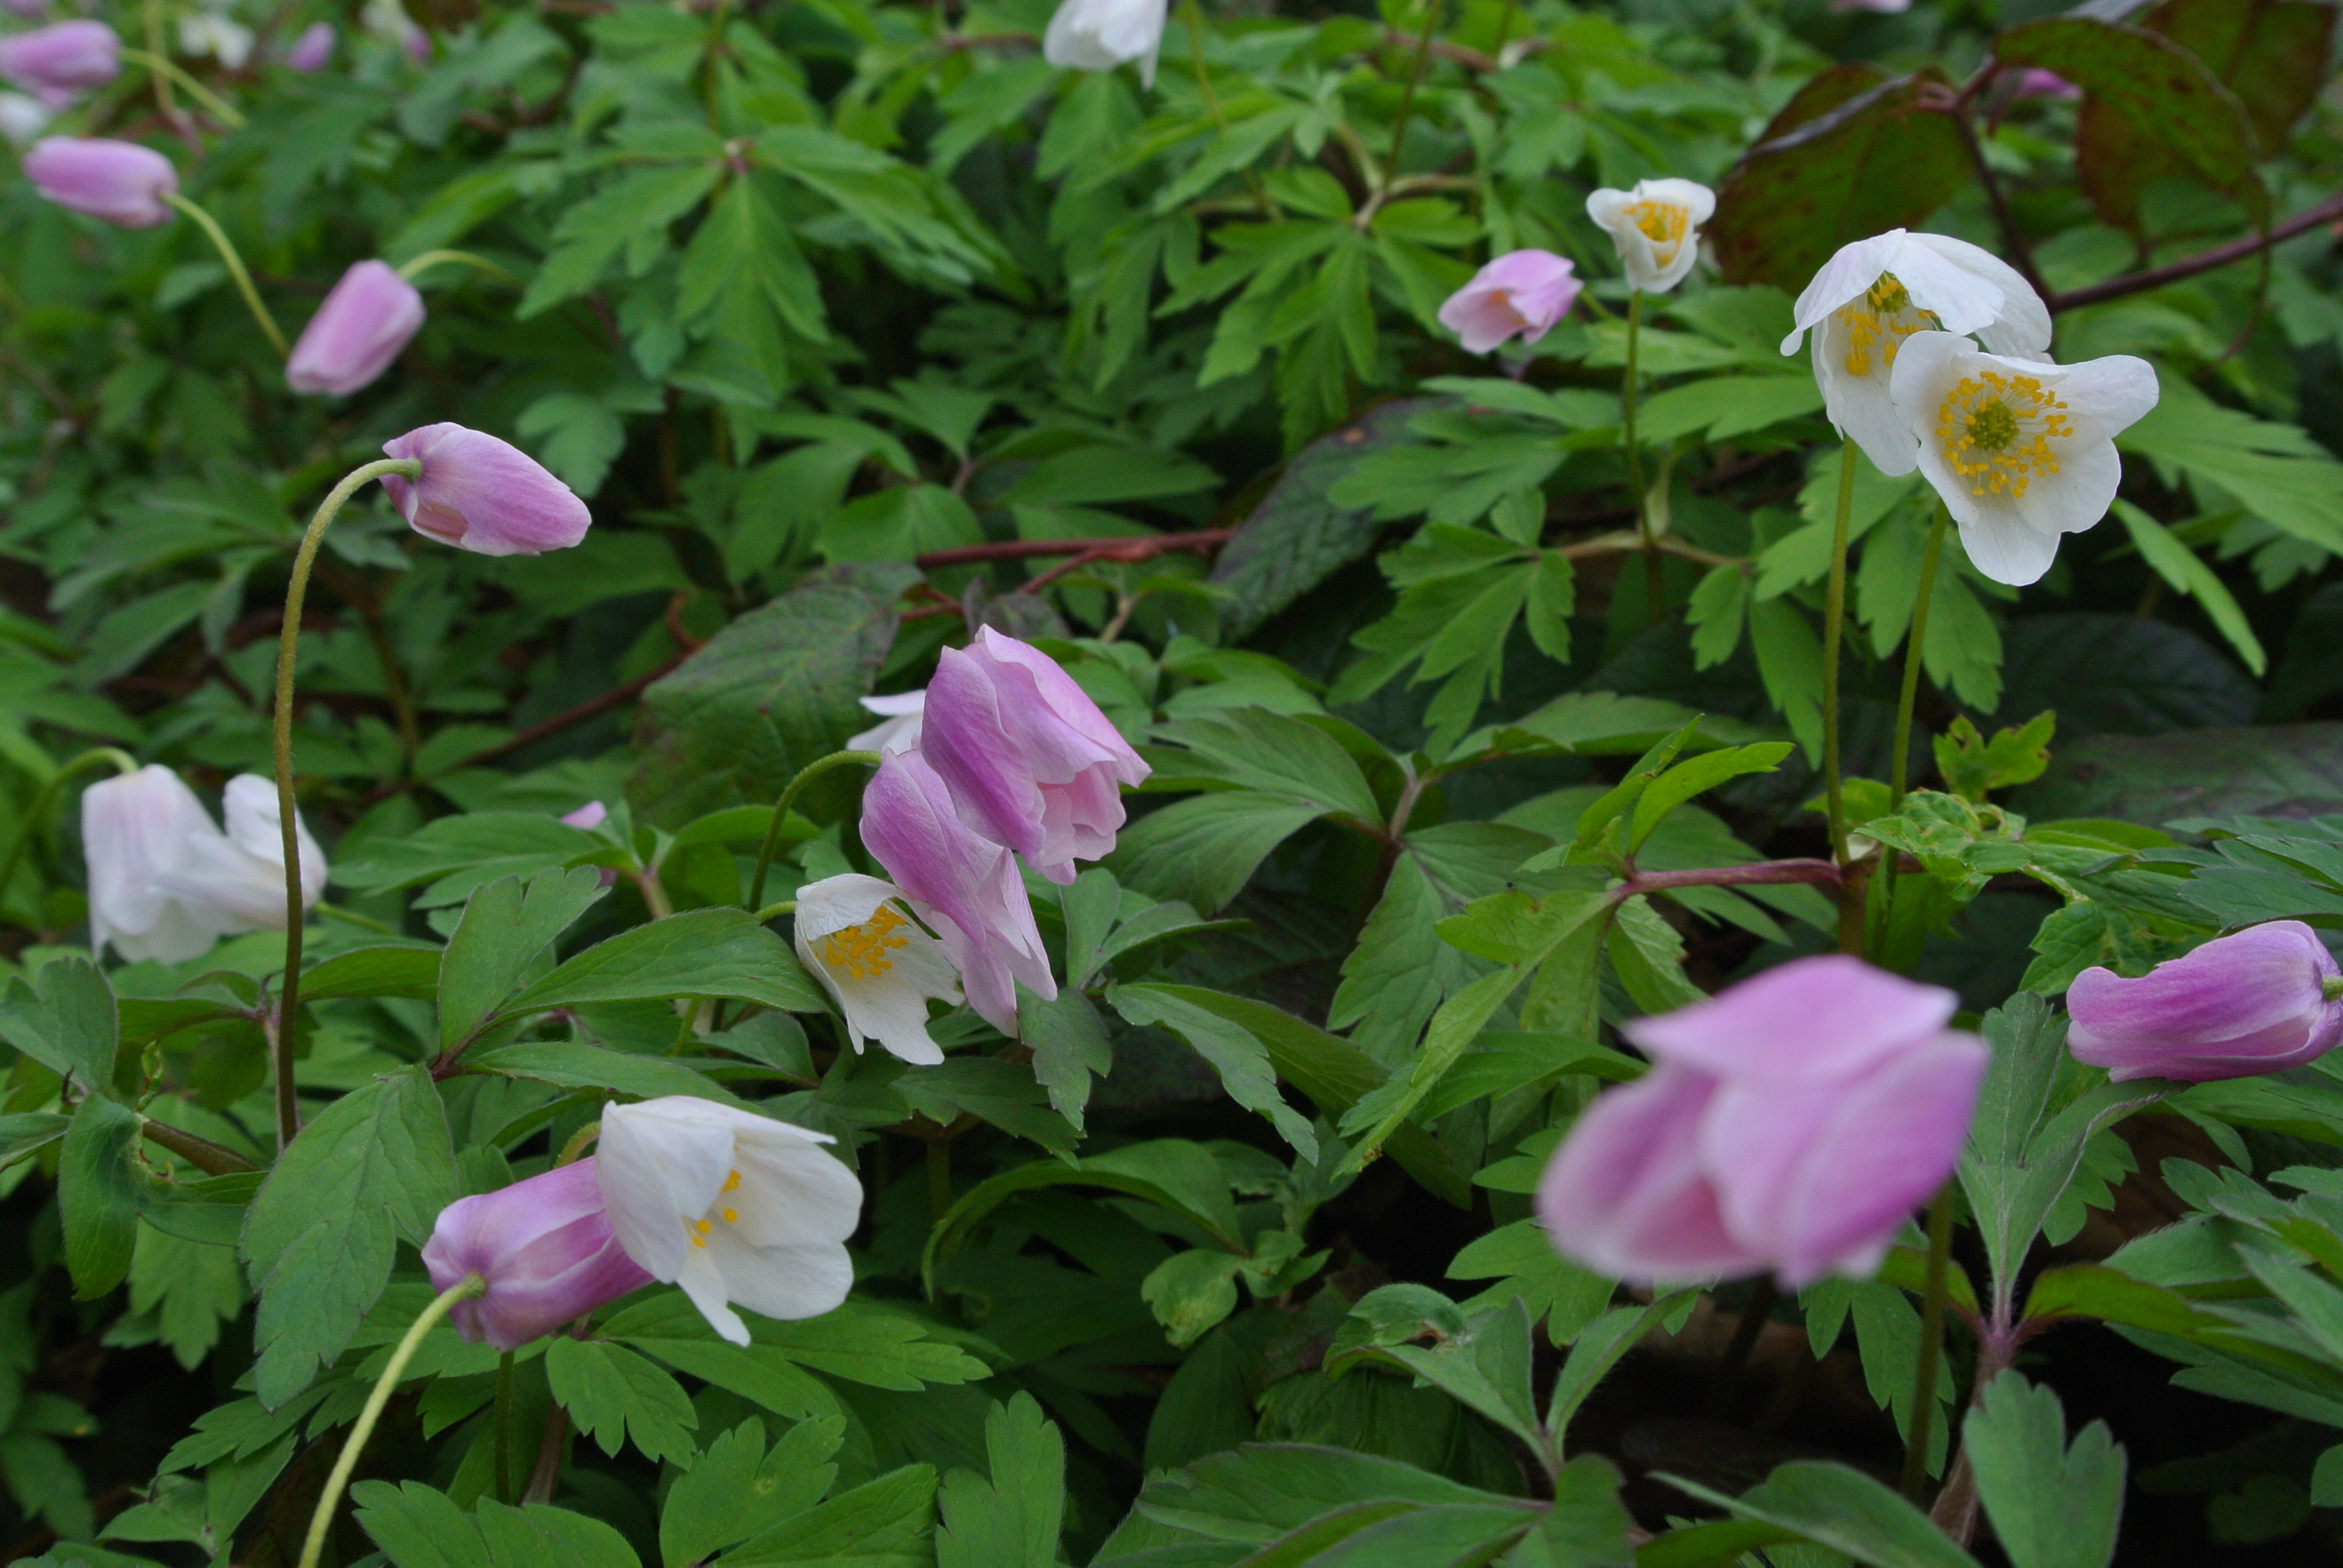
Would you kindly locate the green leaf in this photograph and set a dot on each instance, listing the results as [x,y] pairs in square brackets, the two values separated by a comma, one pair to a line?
[505,925]
[26,1131]
[1070,1045]
[704,952]
[1012,1520]
[2184,572]
[616,1396]
[1235,1053]
[418,1527]
[1173,1173]
[1485,1366]
[736,1489]
[1696,775]
[66,1020]
[573,1064]
[374,1166]
[1846,1509]
[97,1194]
[2052,1506]
[408,971]
[1727,406]
[775,689]
[1202,851]
[883,1524]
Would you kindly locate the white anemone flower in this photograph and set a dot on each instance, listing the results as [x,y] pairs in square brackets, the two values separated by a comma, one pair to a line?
[731,1206]
[1656,227]
[876,963]
[899,726]
[211,31]
[1100,35]
[1874,295]
[2021,452]
[165,883]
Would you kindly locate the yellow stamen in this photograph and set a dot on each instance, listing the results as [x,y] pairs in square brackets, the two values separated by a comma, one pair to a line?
[732,1183]
[861,950]
[1995,431]
[731,1216]
[1882,318]
[1662,223]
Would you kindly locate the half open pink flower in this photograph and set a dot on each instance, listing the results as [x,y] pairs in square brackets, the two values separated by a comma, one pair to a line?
[371,314]
[120,182]
[544,1246]
[2266,999]
[1523,291]
[58,63]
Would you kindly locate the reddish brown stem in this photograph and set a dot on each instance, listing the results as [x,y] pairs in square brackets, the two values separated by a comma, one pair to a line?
[1115,548]
[1764,873]
[2328,211]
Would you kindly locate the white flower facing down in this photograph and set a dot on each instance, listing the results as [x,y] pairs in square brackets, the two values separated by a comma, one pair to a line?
[1656,227]
[731,1206]
[876,963]
[1100,35]
[1875,294]
[2021,452]
[899,726]
[165,883]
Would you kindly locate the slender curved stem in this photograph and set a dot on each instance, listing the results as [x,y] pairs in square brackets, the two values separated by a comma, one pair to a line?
[153,12]
[39,805]
[775,911]
[1654,579]
[576,1147]
[288,646]
[1932,1339]
[502,1448]
[409,269]
[1834,626]
[205,222]
[1900,771]
[806,775]
[162,66]
[468,1286]
[1432,10]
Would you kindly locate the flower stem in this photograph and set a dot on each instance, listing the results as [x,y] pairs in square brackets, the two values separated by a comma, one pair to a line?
[576,1147]
[463,1289]
[1850,919]
[305,558]
[1901,768]
[205,222]
[1932,1341]
[503,1440]
[162,66]
[1654,574]
[409,269]
[39,805]
[1432,10]
[806,775]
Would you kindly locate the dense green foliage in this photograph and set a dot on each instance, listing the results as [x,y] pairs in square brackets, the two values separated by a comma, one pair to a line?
[838,312]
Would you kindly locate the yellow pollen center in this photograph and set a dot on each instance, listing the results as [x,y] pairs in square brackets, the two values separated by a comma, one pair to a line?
[1662,222]
[861,950]
[1882,319]
[1995,431]
[698,1230]
[732,1182]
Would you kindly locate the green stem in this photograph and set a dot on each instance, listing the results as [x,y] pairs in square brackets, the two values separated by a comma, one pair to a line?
[210,100]
[1432,9]
[1834,626]
[1900,768]
[503,1443]
[39,805]
[1654,578]
[288,645]
[775,911]
[806,775]
[205,221]
[153,12]
[462,1289]
[576,1147]
[410,268]
[1932,1337]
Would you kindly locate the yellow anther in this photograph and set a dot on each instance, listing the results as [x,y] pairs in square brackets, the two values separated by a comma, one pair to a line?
[731,1216]
[732,1182]
[1882,318]
[701,1226]
[1995,431]
[1662,222]
[861,950]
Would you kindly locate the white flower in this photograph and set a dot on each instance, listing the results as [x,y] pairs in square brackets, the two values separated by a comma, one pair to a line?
[900,728]
[1877,293]
[2021,452]
[731,1206]
[1656,227]
[1100,35]
[876,963]
[22,117]
[165,883]
[213,32]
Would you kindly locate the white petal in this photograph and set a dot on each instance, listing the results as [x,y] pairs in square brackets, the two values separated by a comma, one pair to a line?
[1860,406]
[2020,323]
[2107,397]
[835,903]
[784,1282]
[659,1169]
[2077,496]
[1844,276]
[1697,200]
[792,1192]
[254,824]
[701,1275]
[1966,288]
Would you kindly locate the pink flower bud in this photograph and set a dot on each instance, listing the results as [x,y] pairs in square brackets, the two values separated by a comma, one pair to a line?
[545,1248]
[120,182]
[1031,762]
[366,319]
[1523,291]
[964,885]
[57,62]
[313,49]
[592,814]
[2257,1002]
[483,495]
[1792,1124]
[2037,82]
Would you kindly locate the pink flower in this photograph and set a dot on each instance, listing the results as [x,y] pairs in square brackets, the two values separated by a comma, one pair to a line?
[313,49]
[2261,1000]
[544,1246]
[57,62]
[962,885]
[2037,82]
[1031,762]
[590,815]
[359,329]
[120,182]
[1792,1124]
[1523,291]
[483,495]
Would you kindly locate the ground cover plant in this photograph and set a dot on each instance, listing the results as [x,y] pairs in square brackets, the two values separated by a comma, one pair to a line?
[1459,783]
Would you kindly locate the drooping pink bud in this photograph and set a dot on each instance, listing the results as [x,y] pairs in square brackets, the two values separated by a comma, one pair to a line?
[1031,762]
[1523,291]
[964,885]
[313,49]
[120,182]
[2267,997]
[56,62]
[367,318]
[483,495]
[1792,1124]
[592,814]
[544,1246]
